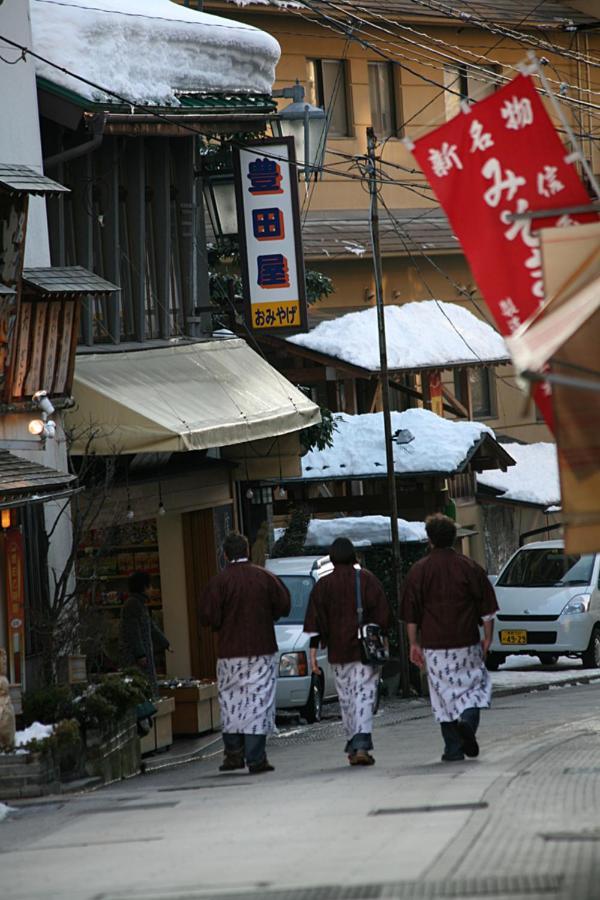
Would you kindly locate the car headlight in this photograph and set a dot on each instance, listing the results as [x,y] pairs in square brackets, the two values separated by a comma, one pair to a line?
[292,665]
[578,604]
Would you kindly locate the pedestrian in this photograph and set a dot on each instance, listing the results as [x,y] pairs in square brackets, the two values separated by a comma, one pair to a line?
[241,604]
[447,597]
[138,631]
[332,620]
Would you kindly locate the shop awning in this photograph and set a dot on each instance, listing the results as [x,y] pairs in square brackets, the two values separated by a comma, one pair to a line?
[187,397]
[23,482]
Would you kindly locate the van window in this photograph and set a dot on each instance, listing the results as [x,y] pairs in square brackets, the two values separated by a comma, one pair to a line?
[299,587]
[550,567]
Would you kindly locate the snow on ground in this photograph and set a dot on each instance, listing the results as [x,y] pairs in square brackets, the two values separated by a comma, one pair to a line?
[363,531]
[422,333]
[439,445]
[148,50]
[534,479]
[37,732]
[527,672]
[4,810]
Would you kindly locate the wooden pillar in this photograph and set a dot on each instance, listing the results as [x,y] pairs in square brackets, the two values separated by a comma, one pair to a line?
[81,179]
[160,173]
[109,160]
[136,212]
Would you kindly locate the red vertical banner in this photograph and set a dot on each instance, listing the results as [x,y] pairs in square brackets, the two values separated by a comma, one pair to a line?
[15,601]
[435,393]
[500,157]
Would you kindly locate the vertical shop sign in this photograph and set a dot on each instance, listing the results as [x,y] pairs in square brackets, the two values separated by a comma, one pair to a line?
[269,235]
[500,157]
[15,597]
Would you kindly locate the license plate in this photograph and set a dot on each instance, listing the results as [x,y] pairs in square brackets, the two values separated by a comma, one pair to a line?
[513,637]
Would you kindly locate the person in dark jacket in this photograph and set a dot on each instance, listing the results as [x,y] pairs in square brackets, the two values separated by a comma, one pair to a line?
[446,598]
[241,604]
[138,630]
[332,615]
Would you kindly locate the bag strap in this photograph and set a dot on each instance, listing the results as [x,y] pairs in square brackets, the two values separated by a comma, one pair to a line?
[359,609]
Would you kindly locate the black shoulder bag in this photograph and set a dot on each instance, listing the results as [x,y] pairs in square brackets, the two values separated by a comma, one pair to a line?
[373,646]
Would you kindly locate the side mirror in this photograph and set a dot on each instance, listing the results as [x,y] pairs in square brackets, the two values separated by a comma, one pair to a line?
[492,579]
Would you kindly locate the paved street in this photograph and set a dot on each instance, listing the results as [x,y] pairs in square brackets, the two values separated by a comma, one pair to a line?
[521,821]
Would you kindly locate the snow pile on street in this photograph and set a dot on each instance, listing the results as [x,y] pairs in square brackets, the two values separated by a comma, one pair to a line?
[35,732]
[363,531]
[4,810]
[148,50]
[422,333]
[534,479]
[434,445]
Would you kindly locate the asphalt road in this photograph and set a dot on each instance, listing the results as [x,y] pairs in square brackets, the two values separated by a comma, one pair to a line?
[520,821]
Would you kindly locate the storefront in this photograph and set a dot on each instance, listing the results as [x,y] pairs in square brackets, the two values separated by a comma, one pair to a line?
[164,416]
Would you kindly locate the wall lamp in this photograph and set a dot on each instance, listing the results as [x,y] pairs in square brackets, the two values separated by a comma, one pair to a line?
[307,124]
[43,427]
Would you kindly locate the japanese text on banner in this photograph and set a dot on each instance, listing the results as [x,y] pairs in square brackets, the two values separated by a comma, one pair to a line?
[503,157]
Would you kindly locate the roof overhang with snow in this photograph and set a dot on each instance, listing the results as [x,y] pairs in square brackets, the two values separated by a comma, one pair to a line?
[154,57]
[533,481]
[422,335]
[431,447]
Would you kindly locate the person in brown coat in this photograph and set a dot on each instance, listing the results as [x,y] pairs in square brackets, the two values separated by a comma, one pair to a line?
[332,615]
[446,598]
[241,604]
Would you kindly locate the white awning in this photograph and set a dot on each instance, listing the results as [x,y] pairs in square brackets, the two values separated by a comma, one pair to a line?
[189,397]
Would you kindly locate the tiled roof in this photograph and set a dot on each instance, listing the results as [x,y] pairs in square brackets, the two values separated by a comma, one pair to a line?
[20,478]
[331,234]
[525,13]
[66,280]
[6,291]
[24,180]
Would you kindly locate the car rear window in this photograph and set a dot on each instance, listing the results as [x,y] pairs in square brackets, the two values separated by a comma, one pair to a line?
[299,587]
[550,567]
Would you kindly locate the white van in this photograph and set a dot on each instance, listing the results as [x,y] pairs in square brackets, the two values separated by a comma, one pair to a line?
[549,605]
[297,688]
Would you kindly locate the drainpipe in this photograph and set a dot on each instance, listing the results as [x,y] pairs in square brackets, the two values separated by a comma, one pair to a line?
[96,126]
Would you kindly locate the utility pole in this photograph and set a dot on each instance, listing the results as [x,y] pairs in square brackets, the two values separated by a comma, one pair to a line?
[387,421]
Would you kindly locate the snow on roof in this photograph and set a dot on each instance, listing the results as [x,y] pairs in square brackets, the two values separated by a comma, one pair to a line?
[363,531]
[150,50]
[419,334]
[435,445]
[534,478]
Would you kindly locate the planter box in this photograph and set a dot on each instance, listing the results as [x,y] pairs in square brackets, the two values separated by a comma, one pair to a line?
[161,734]
[196,708]
[111,755]
[28,775]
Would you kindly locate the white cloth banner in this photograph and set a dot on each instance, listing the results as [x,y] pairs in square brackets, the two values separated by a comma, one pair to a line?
[357,691]
[458,680]
[247,694]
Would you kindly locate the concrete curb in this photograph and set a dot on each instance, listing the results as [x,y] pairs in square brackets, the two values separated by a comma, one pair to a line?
[545,685]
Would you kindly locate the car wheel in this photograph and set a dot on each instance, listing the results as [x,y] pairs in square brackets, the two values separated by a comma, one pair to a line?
[548,659]
[493,660]
[313,709]
[591,656]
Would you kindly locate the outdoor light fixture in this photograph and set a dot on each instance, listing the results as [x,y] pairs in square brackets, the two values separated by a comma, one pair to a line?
[307,124]
[43,427]
[5,518]
[219,193]
[161,506]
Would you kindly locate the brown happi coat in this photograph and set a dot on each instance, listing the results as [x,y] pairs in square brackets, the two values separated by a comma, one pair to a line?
[447,594]
[240,604]
[332,612]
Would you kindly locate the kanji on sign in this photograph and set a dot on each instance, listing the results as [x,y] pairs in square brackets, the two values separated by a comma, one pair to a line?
[267,224]
[500,158]
[265,177]
[273,271]
[443,159]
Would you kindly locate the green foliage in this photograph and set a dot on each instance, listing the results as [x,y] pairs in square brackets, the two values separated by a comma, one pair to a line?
[318,286]
[48,705]
[291,543]
[319,436]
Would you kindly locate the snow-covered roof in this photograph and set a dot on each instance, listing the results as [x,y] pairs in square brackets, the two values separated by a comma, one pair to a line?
[433,445]
[422,334]
[149,50]
[363,531]
[534,478]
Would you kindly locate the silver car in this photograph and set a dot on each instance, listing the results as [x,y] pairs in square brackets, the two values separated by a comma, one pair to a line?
[297,688]
[549,605]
